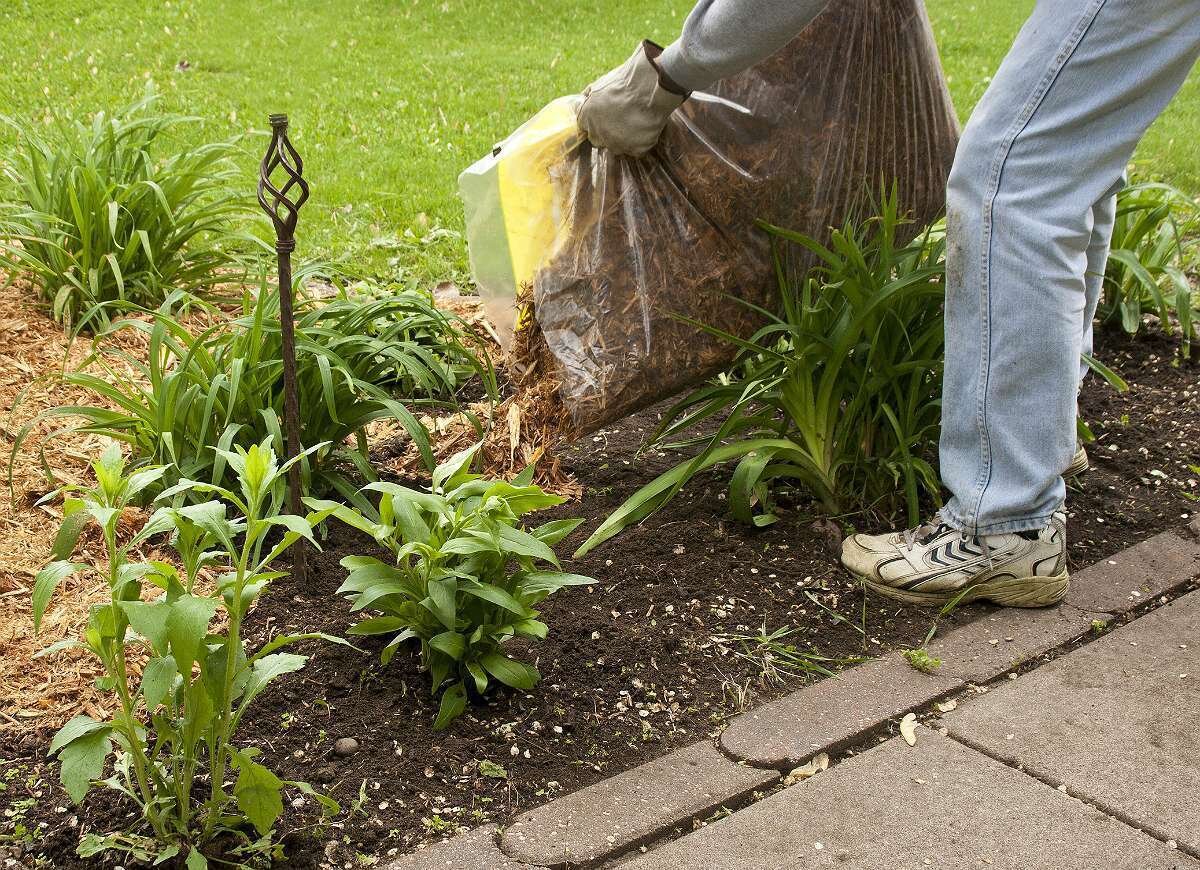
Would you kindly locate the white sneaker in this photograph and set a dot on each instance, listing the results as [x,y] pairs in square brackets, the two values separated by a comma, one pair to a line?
[1079,463]
[934,563]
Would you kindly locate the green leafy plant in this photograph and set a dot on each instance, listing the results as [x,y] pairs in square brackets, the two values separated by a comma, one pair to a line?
[464,577]
[107,210]
[199,680]
[195,393]
[839,393]
[1154,238]
[432,353]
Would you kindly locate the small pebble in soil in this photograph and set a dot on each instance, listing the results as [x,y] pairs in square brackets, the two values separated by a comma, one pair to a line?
[345,747]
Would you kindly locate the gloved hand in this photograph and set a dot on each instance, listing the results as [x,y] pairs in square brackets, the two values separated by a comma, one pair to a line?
[626,110]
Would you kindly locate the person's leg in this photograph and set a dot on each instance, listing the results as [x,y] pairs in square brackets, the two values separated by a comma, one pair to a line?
[1104,215]
[1028,217]
[1049,140]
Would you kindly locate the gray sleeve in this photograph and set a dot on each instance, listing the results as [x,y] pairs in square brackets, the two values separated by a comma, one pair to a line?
[724,37]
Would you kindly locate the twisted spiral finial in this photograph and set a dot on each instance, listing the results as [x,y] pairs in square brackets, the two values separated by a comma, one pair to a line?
[277,201]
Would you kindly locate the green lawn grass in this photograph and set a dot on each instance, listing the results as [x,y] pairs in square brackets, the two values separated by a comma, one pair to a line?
[390,99]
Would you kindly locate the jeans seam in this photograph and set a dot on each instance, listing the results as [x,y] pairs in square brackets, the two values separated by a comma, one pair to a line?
[1035,100]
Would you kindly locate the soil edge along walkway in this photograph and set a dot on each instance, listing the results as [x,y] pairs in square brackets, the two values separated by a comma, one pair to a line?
[1089,760]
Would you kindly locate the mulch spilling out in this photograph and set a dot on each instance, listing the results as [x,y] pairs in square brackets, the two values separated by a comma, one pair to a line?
[635,666]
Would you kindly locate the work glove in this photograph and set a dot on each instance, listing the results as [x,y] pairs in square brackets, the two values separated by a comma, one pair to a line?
[626,110]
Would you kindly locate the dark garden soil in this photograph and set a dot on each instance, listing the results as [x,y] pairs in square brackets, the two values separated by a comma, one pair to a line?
[635,666]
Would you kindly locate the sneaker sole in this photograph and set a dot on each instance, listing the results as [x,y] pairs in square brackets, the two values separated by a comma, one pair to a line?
[1005,591]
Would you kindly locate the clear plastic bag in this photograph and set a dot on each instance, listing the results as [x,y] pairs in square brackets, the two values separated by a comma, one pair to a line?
[601,261]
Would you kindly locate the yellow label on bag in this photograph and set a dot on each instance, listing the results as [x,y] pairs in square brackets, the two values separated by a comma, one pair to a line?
[511,211]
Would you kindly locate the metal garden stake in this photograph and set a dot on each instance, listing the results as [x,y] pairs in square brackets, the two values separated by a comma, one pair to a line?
[282,204]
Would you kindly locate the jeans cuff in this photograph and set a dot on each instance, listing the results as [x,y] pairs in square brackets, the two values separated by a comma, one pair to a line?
[1002,527]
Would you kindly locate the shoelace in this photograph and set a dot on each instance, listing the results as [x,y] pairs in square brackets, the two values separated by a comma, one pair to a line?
[911,536]
[935,526]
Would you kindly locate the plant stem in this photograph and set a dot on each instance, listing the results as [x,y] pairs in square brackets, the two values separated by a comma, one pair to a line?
[128,711]
[233,644]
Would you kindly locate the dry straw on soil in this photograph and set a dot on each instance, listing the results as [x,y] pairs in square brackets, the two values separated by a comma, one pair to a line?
[49,690]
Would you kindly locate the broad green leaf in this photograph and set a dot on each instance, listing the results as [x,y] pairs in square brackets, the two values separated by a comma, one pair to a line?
[46,582]
[554,531]
[211,517]
[344,514]
[479,675]
[455,469]
[441,597]
[196,861]
[440,666]
[257,791]
[551,581]
[525,544]
[377,591]
[451,643]
[296,525]
[532,628]
[77,727]
[82,761]
[509,671]
[268,668]
[187,624]
[149,619]
[427,501]
[495,595]
[377,625]
[454,702]
[140,480]
[408,519]
[157,680]
[200,714]
[73,524]
[466,545]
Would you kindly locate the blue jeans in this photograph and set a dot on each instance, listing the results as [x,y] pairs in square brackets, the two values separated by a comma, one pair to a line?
[1030,208]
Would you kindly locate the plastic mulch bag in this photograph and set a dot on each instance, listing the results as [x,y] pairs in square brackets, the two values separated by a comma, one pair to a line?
[593,264]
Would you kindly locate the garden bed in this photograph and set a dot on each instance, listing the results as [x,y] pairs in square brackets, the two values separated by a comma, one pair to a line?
[634,666]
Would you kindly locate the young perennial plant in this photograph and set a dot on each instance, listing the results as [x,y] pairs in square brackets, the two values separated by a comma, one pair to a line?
[464,577]
[196,389]
[839,393]
[173,729]
[1153,240]
[104,211]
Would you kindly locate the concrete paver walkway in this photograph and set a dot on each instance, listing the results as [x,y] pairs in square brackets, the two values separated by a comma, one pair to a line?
[938,804]
[1088,759]
[1117,722]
